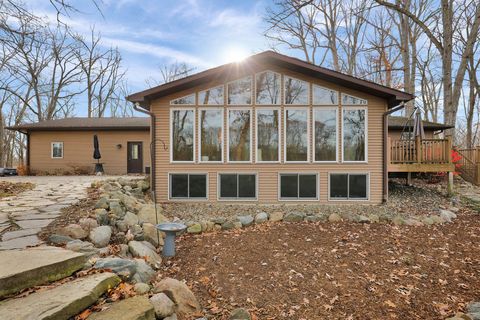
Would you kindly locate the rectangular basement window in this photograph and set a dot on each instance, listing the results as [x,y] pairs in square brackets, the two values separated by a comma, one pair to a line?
[187,186]
[349,186]
[295,186]
[237,186]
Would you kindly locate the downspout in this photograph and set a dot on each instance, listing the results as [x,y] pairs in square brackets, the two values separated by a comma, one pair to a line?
[385,146]
[136,107]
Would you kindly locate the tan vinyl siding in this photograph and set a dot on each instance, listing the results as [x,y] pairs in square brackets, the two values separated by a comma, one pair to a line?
[78,150]
[267,174]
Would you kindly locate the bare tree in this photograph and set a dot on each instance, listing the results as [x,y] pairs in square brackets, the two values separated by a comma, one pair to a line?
[170,72]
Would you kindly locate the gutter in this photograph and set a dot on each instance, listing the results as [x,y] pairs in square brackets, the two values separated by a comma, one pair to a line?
[385,146]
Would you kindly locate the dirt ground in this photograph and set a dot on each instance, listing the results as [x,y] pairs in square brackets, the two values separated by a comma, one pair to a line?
[334,271]
[8,189]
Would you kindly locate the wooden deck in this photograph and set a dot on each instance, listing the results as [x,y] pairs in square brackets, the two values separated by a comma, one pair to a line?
[420,155]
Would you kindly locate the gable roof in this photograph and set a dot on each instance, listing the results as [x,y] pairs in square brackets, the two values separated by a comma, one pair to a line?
[80,124]
[393,96]
[399,123]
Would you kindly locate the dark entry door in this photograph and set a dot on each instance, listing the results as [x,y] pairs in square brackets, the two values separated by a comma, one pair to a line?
[134,157]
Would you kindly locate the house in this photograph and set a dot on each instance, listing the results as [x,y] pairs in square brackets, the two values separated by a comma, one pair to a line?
[270,129]
[65,146]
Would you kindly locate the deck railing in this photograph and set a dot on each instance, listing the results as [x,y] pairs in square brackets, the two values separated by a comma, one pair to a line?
[469,164]
[420,151]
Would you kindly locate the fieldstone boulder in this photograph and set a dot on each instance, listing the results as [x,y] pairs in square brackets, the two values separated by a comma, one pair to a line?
[102,217]
[147,214]
[180,294]
[195,228]
[150,234]
[81,246]
[124,268]
[102,203]
[144,249]
[363,219]
[313,218]
[143,272]
[135,308]
[59,239]
[141,288]
[428,221]
[294,216]
[447,215]
[174,317]
[261,217]
[231,224]
[130,219]
[117,210]
[334,217]
[100,236]
[240,314]
[144,185]
[276,216]
[460,316]
[88,223]
[473,310]
[246,221]
[398,220]
[74,231]
[162,305]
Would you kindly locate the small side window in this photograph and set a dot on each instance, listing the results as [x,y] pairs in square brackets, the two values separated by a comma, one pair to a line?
[57,150]
[349,186]
[186,186]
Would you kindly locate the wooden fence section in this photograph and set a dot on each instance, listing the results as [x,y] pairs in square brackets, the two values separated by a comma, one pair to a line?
[470,164]
[420,155]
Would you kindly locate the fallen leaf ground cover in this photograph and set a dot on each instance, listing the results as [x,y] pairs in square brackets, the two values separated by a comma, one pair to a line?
[334,271]
[8,189]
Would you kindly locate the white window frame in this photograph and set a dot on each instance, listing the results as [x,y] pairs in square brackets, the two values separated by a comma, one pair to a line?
[337,147]
[351,95]
[279,183]
[219,198]
[366,133]
[214,105]
[309,140]
[199,125]
[266,108]
[194,133]
[51,149]
[309,88]
[322,104]
[255,89]
[367,173]
[227,95]
[187,104]
[169,177]
[228,133]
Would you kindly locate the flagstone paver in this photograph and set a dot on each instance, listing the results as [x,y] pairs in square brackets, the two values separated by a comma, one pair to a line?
[22,216]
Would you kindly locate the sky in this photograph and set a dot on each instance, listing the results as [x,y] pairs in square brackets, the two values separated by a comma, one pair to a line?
[151,33]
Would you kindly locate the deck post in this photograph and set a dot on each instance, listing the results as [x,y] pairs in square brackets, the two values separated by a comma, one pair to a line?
[450,184]
[409,178]
[418,149]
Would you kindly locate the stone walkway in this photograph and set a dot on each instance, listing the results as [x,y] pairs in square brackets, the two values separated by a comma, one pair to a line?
[32,210]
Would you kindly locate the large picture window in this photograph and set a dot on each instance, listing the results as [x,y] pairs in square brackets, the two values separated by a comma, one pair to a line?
[239,135]
[183,135]
[267,88]
[237,186]
[354,134]
[325,134]
[296,135]
[349,186]
[187,100]
[268,135]
[186,186]
[240,91]
[213,96]
[348,100]
[296,91]
[57,150]
[324,96]
[211,135]
[298,186]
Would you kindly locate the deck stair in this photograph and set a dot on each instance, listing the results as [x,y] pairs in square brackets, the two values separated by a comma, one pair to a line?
[469,164]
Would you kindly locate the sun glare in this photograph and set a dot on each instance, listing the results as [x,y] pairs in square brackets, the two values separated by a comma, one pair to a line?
[235,54]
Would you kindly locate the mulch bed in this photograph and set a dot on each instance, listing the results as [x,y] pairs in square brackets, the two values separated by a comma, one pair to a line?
[334,271]
[8,189]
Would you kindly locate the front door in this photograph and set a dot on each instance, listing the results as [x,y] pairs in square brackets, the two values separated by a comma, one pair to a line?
[134,157]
